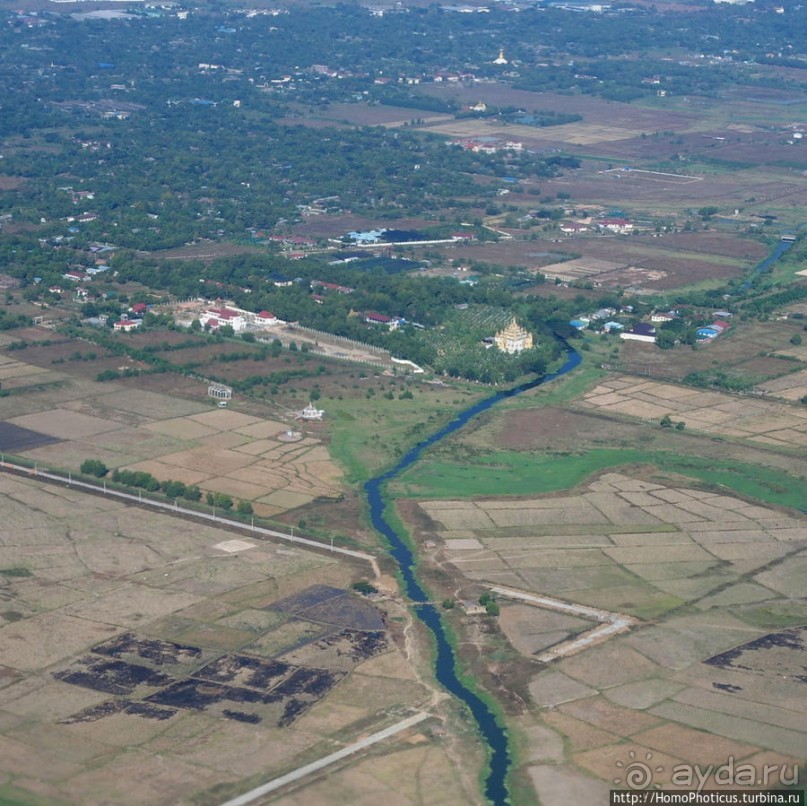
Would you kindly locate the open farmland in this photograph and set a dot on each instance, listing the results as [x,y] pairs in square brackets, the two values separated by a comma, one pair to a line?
[643,263]
[769,422]
[710,672]
[246,456]
[141,652]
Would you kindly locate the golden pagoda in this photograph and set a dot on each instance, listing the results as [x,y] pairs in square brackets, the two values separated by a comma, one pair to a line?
[513,338]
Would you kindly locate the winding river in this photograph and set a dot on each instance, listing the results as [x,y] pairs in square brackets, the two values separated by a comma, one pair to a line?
[445,662]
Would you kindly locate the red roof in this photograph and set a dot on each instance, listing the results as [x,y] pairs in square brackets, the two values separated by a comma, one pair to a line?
[372,316]
[223,313]
[266,315]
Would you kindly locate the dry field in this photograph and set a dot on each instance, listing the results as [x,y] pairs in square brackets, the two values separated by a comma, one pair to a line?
[790,387]
[712,673]
[670,192]
[595,111]
[582,134]
[223,450]
[754,351]
[642,262]
[765,421]
[143,653]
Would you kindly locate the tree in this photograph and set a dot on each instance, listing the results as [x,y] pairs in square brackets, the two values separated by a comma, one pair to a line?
[666,421]
[173,489]
[244,507]
[192,493]
[796,339]
[94,467]
[492,608]
[364,587]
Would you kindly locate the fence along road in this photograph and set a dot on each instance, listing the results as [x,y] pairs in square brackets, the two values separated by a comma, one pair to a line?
[175,509]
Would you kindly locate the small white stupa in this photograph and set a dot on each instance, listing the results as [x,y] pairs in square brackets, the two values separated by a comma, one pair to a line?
[310,413]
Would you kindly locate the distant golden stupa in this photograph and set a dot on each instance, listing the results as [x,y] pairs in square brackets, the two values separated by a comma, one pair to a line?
[500,58]
[513,338]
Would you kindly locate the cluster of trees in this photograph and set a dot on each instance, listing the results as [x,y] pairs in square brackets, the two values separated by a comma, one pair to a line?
[172,489]
[718,379]
[488,601]
[145,481]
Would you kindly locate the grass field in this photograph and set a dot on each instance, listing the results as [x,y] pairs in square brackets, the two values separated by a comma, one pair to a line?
[513,473]
[366,436]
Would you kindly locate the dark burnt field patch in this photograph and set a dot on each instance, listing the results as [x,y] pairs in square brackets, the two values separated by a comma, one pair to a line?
[16,439]
[324,604]
[282,704]
[777,654]
[341,650]
[156,679]
[112,707]
[111,677]
[157,652]
[247,671]
[310,597]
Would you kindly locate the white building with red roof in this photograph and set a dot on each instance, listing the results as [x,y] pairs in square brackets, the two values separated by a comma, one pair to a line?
[265,319]
[127,325]
[216,317]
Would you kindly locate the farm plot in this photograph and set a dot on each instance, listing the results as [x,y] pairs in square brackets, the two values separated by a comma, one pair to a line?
[150,673]
[757,420]
[747,353]
[221,450]
[703,684]
[649,263]
[607,546]
[581,134]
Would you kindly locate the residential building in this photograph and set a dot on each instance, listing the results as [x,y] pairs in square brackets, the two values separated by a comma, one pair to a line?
[127,325]
[641,332]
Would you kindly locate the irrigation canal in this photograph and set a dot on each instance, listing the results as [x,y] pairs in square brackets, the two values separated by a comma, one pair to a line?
[445,662]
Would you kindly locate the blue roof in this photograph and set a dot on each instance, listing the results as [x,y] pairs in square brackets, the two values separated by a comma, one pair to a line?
[578,323]
[706,332]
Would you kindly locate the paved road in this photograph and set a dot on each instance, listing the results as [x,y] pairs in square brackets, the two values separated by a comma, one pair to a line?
[325,761]
[610,623]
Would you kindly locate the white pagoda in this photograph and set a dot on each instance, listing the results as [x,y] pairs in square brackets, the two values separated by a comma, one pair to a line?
[310,413]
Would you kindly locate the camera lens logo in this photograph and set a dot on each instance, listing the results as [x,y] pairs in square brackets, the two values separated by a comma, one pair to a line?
[637,774]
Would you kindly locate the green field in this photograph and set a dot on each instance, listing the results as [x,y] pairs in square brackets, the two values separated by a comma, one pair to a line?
[520,473]
[366,436]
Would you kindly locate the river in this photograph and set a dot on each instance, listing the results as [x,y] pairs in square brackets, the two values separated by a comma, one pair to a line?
[781,248]
[445,662]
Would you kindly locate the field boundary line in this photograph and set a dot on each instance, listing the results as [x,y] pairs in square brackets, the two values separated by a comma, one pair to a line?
[610,623]
[177,510]
[326,761]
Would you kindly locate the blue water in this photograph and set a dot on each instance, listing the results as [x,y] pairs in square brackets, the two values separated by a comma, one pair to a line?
[781,248]
[445,662]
